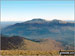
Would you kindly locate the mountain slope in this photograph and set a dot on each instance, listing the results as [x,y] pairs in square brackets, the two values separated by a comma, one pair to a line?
[20,43]
[38,29]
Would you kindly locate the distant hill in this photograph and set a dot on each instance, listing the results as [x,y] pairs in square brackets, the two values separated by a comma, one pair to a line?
[58,30]
[21,43]
[6,23]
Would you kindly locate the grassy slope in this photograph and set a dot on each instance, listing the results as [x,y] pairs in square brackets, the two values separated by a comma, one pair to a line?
[20,43]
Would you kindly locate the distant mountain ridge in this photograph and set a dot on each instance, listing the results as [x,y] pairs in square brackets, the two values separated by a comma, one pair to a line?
[46,21]
[38,29]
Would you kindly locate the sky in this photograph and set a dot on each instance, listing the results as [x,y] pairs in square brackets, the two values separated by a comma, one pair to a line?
[28,10]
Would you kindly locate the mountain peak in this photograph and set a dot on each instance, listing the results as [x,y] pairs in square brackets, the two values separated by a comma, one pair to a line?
[37,20]
[58,21]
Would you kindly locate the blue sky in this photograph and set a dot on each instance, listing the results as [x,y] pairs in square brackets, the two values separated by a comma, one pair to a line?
[27,10]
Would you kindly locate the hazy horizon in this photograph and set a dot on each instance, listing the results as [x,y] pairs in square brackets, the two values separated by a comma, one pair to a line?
[36,18]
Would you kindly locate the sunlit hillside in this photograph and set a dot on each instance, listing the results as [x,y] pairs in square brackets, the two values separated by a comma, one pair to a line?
[21,43]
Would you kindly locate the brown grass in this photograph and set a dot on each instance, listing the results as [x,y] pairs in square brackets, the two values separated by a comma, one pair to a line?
[26,52]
